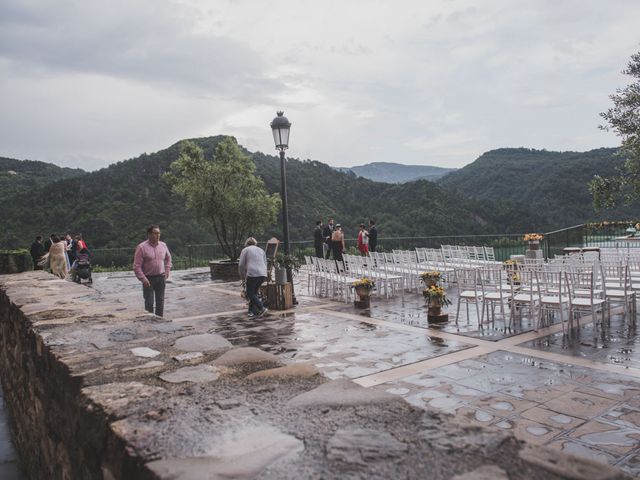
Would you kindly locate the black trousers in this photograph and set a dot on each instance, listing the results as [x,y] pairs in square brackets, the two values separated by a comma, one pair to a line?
[329,248]
[155,289]
[253,286]
[319,251]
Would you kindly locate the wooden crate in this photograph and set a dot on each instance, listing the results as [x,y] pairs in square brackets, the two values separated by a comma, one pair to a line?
[280,297]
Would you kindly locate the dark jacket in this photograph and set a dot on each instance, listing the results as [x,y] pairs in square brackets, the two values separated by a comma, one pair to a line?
[37,250]
[373,236]
[318,239]
[326,233]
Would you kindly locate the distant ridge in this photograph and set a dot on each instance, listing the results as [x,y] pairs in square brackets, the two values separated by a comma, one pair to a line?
[389,172]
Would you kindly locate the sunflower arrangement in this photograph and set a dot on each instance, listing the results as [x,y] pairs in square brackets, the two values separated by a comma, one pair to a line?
[431,277]
[533,237]
[511,267]
[366,283]
[435,294]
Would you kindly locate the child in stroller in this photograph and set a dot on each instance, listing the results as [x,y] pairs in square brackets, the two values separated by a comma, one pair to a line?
[81,268]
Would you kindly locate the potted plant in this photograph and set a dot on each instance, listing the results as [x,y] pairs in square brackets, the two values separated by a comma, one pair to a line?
[511,266]
[282,263]
[226,192]
[363,287]
[435,297]
[432,277]
[533,239]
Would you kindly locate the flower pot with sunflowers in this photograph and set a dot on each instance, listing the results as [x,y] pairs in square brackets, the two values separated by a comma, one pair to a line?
[435,297]
[430,278]
[363,288]
[533,239]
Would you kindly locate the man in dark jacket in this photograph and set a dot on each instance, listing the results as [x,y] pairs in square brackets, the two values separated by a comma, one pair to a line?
[326,233]
[37,252]
[318,239]
[373,236]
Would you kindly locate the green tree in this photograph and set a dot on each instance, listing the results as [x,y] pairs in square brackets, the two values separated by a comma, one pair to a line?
[624,119]
[225,192]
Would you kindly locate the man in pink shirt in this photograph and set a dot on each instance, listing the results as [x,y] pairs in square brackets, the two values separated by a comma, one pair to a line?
[152,264]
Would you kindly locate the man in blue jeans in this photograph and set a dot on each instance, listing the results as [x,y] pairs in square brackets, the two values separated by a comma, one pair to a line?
[253,268]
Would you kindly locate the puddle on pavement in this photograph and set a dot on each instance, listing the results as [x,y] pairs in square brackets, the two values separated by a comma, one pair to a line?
[503,406]
[482,416]
[563,419]
[616,341]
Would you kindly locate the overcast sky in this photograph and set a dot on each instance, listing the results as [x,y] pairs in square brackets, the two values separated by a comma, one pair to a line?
[434,82]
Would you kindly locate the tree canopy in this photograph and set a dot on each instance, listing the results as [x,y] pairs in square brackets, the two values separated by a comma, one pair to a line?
[225,192]
[624,119]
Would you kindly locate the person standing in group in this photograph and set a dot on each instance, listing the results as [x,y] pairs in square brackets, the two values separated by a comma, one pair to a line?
[152,265]
[37,251]
[253,270]
[326,233]
[56,257]
[80,243]
[318,239]
[363,240]
[337,242]
[71,248]
[373,236]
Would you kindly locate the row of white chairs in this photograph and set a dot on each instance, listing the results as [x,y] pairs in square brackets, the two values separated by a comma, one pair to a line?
[468,252]
[327,278]
[545,291]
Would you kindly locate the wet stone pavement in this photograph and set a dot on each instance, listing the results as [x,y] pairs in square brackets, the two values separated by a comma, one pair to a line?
[580,393]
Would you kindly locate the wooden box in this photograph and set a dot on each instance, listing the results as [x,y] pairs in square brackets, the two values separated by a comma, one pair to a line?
[279,297]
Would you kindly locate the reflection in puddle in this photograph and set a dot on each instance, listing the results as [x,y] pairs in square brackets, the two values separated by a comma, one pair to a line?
[564,419]
[537,431]
[502,406]
[619,438]
[482,416]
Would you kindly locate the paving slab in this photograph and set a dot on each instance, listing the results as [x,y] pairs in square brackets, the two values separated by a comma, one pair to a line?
[504,390]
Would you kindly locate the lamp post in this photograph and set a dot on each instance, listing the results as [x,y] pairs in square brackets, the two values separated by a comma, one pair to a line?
[280,127]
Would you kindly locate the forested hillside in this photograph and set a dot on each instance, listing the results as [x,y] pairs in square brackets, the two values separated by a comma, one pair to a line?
[112,206]
[23,175]
[506,190]
[548,188]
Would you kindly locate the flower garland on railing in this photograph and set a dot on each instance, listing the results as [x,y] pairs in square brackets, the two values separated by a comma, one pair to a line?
[608,224]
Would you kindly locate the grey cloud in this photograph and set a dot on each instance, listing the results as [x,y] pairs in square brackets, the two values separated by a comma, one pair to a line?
[148,44]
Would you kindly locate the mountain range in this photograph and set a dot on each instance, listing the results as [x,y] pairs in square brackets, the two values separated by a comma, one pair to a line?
[504,190]
[397,173]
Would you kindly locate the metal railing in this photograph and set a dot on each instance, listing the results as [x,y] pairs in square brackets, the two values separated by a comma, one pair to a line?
[504,246]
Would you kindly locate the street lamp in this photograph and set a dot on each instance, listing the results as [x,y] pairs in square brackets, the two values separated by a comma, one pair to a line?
[280,127]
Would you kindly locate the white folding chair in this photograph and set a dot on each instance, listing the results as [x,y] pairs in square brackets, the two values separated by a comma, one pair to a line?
[469,291]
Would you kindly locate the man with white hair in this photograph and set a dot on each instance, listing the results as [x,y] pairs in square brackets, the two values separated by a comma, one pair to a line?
[253,269]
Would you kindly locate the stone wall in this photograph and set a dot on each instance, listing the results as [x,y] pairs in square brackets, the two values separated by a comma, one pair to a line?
[15,263]
[98,391]
[57,430]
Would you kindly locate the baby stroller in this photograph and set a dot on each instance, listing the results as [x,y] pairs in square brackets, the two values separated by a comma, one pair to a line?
[81,268]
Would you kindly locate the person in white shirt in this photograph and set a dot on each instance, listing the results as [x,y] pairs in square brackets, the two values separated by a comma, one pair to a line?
[253,269]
